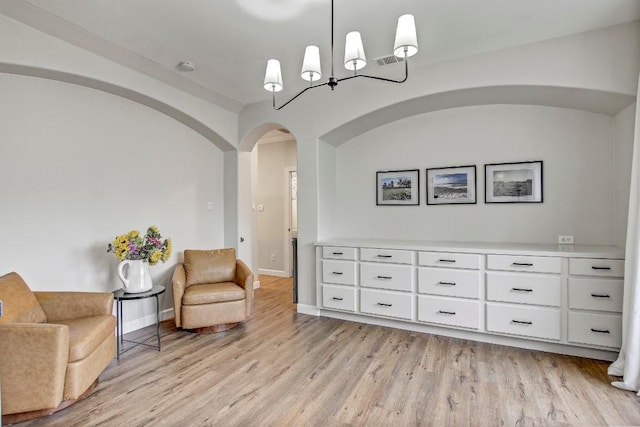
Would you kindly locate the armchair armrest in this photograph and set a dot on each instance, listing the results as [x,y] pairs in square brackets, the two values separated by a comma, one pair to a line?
[244,278]
[33,365]
[178,283]
[72,305]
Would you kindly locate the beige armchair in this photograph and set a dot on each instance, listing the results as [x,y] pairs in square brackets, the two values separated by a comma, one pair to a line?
[212,290]
[53,347]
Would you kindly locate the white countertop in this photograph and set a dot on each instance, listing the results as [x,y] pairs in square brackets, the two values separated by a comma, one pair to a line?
[509,248]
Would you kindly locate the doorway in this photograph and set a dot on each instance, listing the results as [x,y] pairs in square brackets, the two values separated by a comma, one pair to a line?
[274,204]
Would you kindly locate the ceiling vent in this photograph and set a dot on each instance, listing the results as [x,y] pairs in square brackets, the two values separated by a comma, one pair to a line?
[387,60]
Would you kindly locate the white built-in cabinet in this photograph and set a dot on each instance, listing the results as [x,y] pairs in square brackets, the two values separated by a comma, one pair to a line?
[566,299]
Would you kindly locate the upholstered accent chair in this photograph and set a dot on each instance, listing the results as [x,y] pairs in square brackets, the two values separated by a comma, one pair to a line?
[53,347]
[212,290]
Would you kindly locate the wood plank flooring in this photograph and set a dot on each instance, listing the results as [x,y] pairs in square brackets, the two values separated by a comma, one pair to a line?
[281,368]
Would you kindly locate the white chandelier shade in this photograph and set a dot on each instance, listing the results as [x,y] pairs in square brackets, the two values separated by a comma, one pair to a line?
[273,76]
[354,57]
[311,64]
[406,43]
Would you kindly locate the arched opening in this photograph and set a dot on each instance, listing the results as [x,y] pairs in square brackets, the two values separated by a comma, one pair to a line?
[269,158]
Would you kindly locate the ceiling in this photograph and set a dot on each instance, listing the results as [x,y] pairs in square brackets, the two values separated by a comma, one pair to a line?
[230,41]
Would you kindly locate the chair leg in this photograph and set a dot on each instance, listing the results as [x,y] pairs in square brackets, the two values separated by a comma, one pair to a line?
[214,328]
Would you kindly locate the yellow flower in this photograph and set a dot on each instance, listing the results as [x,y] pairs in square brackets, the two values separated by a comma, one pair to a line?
[154,229]
[121,253]
[155,257]
[133,234]
[120,240]
[167,251]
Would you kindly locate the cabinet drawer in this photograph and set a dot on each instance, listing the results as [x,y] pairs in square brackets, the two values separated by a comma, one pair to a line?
[596,267]
[596,294]
[339,297]
[595,329]
[385,303]
[340,272]
[449,259]
[449,311]
[536,264]
[537,289]
[335,252]
[449,282]
[387,255]
[526,321]
[384,276]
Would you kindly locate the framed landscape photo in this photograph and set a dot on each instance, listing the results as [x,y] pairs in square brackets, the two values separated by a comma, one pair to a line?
[513,182]
[452,185]
[398,187]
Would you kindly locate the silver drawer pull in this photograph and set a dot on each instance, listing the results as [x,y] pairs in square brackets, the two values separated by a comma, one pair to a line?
[593,267]
[522,264]
[337,273]
[385,277]
[337,253]
[384,304]
[522,290]
[522,322]
[451,313]
[600,331]
[446,260]
[447,283]
[600,296]
[384,256]
[337,298]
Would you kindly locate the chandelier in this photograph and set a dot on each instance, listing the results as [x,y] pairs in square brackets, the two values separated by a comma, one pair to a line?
[406,45]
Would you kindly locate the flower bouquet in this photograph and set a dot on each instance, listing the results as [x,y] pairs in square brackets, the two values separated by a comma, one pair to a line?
[133,246]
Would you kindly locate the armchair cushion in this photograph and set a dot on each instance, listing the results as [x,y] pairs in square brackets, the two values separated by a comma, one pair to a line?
[87,333]
[20,304]
[209,266]
[209,293]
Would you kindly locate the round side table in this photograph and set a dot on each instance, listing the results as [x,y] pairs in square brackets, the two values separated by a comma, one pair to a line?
[120,295]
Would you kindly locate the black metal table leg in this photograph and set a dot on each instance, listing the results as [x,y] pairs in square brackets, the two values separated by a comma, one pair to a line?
[121,296]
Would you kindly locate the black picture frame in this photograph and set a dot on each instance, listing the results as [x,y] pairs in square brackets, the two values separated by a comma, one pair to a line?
[453,185]
[398,187]
[517,182]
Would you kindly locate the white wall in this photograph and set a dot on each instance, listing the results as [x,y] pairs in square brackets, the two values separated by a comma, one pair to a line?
[273,159]
[79,167]
[577,149]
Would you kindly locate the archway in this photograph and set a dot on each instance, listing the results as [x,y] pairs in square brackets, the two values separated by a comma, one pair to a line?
[268,156]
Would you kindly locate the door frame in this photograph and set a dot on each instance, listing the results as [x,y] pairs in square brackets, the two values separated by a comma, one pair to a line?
[288,251]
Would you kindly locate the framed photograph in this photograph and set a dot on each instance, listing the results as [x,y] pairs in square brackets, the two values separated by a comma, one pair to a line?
[398,187]
[451,186]
[513,182]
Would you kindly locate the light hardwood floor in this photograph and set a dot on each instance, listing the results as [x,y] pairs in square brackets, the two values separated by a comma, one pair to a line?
[283,368]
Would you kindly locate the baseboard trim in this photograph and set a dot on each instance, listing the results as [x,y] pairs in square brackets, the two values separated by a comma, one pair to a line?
[308,309]
[277,273]
[148,320]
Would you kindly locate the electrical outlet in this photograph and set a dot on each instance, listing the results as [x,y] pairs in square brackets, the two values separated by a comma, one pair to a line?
[210,205]
[273,257]
[565,240]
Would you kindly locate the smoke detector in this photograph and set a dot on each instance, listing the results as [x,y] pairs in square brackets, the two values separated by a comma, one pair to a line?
[186,66]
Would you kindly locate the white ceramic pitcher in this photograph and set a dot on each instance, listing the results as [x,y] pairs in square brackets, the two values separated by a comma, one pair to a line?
[136,277]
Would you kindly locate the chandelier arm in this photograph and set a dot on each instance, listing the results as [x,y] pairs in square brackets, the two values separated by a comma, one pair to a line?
[406,75]
[297,95]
